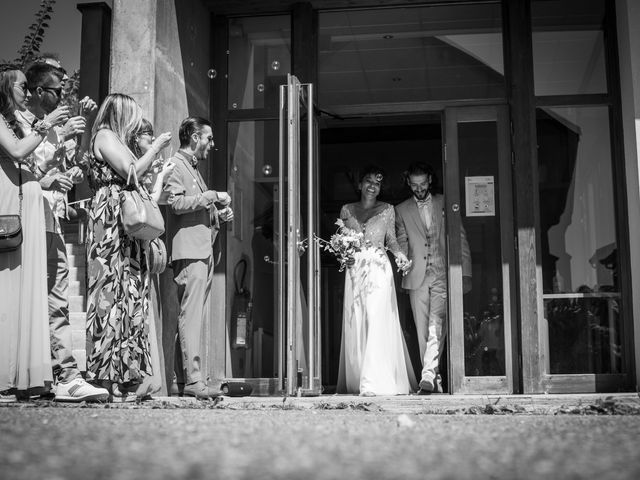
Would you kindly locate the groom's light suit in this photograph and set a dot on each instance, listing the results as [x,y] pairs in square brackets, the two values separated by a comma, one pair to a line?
[421,234]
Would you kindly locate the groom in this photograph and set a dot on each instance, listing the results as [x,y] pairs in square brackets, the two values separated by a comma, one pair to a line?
[421,233]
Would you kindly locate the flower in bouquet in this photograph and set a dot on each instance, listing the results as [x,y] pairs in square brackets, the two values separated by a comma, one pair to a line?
[344,244]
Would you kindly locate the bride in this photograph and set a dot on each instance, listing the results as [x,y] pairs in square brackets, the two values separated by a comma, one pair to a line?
[373,354]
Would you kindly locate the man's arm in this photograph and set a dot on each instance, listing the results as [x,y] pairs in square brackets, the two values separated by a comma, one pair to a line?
[181,203]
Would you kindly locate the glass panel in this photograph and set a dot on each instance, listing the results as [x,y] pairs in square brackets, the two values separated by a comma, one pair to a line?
[484,351]
[579,244]
[410,54]
[259,60]
[568,47]
[253,237]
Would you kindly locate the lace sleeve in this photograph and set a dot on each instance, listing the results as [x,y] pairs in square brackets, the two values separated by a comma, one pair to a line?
[390,236]
[344,213]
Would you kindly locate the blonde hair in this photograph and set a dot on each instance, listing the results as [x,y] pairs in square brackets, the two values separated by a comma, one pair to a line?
[119,113]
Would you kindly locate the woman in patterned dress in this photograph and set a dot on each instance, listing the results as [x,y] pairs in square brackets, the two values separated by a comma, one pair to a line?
[118,288]
[25,354]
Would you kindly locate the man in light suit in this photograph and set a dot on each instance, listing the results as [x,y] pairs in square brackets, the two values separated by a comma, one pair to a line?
[193,223]
[421,233]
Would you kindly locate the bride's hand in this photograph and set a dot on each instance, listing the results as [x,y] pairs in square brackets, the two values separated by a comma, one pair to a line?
[404,264]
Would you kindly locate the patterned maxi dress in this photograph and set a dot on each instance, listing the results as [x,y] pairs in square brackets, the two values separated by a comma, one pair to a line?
[118,288]
[373,354]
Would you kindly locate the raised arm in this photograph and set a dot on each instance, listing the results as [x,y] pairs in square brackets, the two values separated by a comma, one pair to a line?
[109,147]
[20,148]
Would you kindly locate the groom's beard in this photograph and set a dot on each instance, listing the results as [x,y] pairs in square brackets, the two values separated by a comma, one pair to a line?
[422,195]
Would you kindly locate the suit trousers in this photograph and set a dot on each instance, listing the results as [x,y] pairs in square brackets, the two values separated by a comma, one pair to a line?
[428,303]
[64,365]
[193,278]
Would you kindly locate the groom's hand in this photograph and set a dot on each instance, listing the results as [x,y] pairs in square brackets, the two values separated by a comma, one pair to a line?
[466,284]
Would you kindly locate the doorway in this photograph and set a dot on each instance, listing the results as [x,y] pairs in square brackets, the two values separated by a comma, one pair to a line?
[468,150]
[347,147]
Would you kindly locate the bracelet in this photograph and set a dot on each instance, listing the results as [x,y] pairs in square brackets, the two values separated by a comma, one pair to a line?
[42,127]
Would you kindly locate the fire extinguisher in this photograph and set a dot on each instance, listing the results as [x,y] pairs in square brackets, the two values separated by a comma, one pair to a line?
[241,309]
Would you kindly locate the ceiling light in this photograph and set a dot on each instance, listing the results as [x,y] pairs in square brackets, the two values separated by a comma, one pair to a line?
[387,37]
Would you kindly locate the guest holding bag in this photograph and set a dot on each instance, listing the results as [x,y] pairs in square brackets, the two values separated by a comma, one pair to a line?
[25,357]
[118,288]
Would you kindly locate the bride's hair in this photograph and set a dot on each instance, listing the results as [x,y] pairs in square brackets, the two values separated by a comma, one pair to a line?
[373,170]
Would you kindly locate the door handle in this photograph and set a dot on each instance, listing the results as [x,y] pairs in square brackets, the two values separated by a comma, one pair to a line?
[455,207]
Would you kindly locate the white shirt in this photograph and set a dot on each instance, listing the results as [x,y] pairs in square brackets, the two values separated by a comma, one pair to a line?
[424,207]
[52,146]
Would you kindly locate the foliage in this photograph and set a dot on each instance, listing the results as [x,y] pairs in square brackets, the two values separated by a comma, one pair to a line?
[33,39]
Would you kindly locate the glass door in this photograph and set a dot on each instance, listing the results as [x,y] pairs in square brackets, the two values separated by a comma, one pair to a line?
[478,210]
[299,266]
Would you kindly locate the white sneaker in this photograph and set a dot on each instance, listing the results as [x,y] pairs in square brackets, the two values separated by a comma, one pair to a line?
[78,390]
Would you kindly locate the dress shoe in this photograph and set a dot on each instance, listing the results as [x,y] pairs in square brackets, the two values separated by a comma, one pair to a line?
[200,391]
[426,385]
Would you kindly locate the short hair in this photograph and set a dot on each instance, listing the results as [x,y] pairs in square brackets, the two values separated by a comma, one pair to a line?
[421,168]
[189,126]
[40,72]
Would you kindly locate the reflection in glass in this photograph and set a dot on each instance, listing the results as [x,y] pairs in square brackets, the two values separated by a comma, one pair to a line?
[568,47]
[578,239]
[253,238]
[484,350]
[259,60]
[410,54]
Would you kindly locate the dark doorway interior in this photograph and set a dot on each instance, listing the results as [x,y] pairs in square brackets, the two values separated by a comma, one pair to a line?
[346,148]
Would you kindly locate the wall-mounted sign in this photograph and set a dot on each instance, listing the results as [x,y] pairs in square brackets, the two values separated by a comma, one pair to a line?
[480,196]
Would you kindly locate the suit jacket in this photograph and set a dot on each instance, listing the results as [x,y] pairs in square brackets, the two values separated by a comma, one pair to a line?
[192,220]
[418,243]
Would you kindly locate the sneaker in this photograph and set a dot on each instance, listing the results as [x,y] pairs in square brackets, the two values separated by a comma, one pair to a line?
[78,390]
[200,391]
[8,396]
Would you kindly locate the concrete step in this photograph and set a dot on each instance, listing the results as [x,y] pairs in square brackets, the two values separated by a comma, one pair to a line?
[77,287]
[77,273]
[76,304]
[76,260]
[75,249]
[78,321]
[71,237]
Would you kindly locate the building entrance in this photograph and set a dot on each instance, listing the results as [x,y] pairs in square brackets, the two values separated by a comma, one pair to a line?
[467,148]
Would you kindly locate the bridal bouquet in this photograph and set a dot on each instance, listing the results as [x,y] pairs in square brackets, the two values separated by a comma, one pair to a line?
[343,244]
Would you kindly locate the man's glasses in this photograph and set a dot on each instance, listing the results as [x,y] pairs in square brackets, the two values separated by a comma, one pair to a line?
[57,90]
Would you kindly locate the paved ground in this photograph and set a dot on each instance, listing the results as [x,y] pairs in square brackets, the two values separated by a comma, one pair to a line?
[331,437]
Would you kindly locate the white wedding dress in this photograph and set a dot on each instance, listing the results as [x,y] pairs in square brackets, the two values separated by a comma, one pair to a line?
[373,353]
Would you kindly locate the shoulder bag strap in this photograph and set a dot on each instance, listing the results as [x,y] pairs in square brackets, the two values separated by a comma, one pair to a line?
[19,188]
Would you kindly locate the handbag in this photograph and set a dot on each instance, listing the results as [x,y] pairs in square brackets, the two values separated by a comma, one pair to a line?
[140,214]
[157,256]
[11,225]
